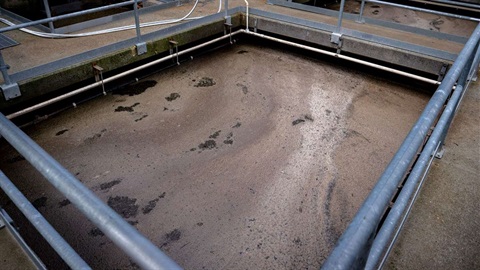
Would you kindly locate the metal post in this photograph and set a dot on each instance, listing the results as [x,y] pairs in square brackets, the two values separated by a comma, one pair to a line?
[4,69]
[360,15]
[336,37]
[9,89]
[49,15]
[41,224]
[124,235]
[141,46]
[340,16]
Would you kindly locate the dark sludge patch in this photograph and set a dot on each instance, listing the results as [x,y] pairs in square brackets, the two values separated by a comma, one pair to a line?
[215,134]
[61,132]
[95,232]
[126,108]
[209,144]
[40,202]
[64,203]
[108,185]
[298,121]
[205,82]
[15,159]
[172,97]
[124,206]
[135,88]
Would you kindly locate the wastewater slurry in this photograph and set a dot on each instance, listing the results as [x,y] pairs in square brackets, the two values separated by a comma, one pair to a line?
[249,157]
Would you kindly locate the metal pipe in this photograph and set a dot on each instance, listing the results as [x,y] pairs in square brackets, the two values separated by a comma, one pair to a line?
[457,3]
[382,240]
[120,75]
[124,235]
[246,18]
[425,10]
[49,15]
[340,16]
[353,246]
[41,224]
[117,76]
[360,15]
[4,69]
[66,16]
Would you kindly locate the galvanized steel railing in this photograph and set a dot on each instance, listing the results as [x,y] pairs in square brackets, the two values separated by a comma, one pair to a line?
[366,242]
[124,235]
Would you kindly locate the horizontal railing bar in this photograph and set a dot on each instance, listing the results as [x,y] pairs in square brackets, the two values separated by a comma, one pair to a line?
[66,16]
[354,245]
[425,10]
[55,240]
[124,235]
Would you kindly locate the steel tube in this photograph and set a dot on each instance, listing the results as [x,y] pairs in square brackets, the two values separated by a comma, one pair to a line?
[49,15]
[340,16]
[41,224]
[124,235]
[457,3]
[117,76]
[137,21]
[360,14]
[382,240]
[353,246]
[425,10]
[66,16]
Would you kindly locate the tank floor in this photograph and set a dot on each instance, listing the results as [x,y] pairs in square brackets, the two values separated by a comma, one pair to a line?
[247,158]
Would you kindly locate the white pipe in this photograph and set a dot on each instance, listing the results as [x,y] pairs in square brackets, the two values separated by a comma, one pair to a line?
[112,30]
[117,76]
[128,72]
[355,60]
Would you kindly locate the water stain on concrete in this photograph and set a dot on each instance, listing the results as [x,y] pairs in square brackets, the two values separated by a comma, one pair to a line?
[141,118]
[135,88]
[172,236]
[108,185]
[126,108]
[15,159]
[205,82]
[95,136]
[297,121]
[64,203]
[61,132]
[207,145]
[244,88]
[172,97]
[40,202]
[96,232]
[124,206]
[215,134]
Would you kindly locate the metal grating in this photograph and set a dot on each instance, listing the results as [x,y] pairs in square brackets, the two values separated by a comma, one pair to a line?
[6,42]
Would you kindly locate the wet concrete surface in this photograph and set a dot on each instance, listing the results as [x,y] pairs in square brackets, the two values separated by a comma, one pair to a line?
[261,167]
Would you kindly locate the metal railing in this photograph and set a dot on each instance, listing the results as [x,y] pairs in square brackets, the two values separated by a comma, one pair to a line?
[441,13]
[124,235]
[366,242]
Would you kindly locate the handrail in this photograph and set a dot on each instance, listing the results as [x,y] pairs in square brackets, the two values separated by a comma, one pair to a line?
[354,245]
[124,235]
[65,16]
[417,9]
[55,240]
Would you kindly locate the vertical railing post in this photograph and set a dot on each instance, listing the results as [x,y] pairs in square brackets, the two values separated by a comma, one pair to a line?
[49,15]
[340,16]
[141,46]
[360,15]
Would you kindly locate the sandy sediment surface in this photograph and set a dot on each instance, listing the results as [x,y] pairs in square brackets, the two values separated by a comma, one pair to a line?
[251,157]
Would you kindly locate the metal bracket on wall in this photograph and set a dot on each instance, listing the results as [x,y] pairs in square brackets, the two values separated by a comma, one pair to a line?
[228,26]
[141,48]
[442,72]
[174,44]
[336,38]
[440,152]
[98,72]
[255,25]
